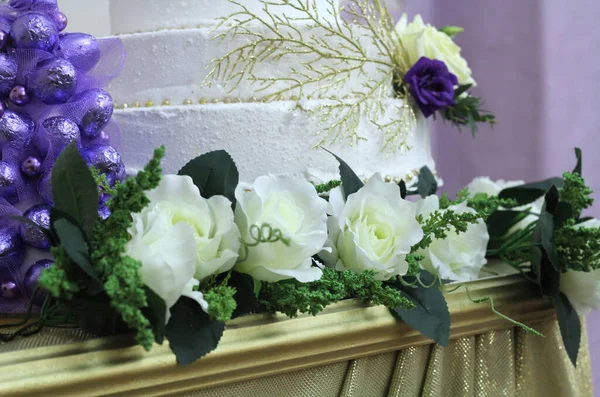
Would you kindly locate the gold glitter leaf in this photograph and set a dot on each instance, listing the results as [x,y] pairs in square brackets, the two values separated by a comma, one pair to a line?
[333,53]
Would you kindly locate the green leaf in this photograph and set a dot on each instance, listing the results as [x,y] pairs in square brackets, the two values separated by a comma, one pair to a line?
[191,332]
[214,173]
[451,31]
[570,326]
[528,193]
[546,225]
[577,169]
[549,278]
[73,242]
[462,89]
[427,184]
[500,222]
[563,212]
[551,199]
[350,181]
[257,288]
[245,295]
[74,189]
[403,189]
[157,313]
[430,316]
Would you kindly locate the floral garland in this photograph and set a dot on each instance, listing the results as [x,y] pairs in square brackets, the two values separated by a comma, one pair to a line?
[180,255]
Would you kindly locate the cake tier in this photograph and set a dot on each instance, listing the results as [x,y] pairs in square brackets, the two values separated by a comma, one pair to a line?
[265,138]
[129,16]
[173,65]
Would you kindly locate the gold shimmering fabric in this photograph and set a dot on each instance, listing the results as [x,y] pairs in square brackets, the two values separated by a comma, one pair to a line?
[509,363]
[46,337]
[324,381]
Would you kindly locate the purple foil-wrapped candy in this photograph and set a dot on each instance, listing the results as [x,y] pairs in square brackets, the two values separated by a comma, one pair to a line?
[4,39]
[5,24]
[32,279]
[15,127]
[99,107]
[8,180]
[12,250]
[20,5]
[33,236]
[55,81]
[61,131]
[8,74]
[44,5]
[34,31]
[44,187]
[107,160]
[80,49]
[9,288]
[8,175]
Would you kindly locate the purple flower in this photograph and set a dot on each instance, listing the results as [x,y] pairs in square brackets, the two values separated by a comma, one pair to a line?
[431,85]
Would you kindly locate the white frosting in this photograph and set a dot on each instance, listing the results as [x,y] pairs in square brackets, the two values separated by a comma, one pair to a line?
[173,65]
[262,138]
[129,16]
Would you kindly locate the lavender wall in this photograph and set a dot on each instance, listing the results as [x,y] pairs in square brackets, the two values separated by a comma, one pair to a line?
[536,65]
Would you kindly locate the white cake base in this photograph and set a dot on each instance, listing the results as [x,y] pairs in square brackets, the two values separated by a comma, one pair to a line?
[263,138]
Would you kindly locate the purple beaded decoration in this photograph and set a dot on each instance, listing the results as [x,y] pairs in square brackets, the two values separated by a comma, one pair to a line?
[50,95]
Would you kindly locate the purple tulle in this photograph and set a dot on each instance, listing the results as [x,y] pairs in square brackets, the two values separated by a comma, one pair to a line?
[34,133]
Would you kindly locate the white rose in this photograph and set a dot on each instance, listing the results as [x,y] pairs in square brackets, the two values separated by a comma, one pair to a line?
[458,257]
[181,238]
[216,236]
[423,40]
[373,230]
[484,184]
[293,206]
[582,288]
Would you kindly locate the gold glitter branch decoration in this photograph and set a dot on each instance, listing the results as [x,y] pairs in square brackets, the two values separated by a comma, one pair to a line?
[333,53]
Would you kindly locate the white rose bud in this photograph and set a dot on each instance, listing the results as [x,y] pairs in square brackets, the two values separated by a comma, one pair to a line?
[582,288]
[292,206]
[458,257]
[484,184]
[423,40]
[373,230]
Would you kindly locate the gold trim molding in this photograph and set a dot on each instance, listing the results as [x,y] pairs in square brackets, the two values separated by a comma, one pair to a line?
[256,346]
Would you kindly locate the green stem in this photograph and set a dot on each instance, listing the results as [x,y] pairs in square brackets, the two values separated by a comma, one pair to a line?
[496,312]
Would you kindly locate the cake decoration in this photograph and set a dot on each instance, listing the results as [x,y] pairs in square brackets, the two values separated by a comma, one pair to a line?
[50,96]
[371,49]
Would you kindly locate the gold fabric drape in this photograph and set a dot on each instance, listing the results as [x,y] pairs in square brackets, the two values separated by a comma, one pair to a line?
[498,363]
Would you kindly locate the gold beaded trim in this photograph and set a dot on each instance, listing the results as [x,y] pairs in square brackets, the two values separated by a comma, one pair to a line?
[182,27]
[409,177]
[187,102]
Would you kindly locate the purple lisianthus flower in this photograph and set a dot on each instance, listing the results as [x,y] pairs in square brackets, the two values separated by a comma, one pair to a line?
[431,85]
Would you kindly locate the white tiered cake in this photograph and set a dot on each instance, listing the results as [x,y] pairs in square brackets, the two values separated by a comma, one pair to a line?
[162,98]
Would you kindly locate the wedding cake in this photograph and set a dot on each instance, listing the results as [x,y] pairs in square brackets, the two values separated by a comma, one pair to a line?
[169,93]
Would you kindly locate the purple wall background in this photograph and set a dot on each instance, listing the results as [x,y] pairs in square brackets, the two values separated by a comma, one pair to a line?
[536,66]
